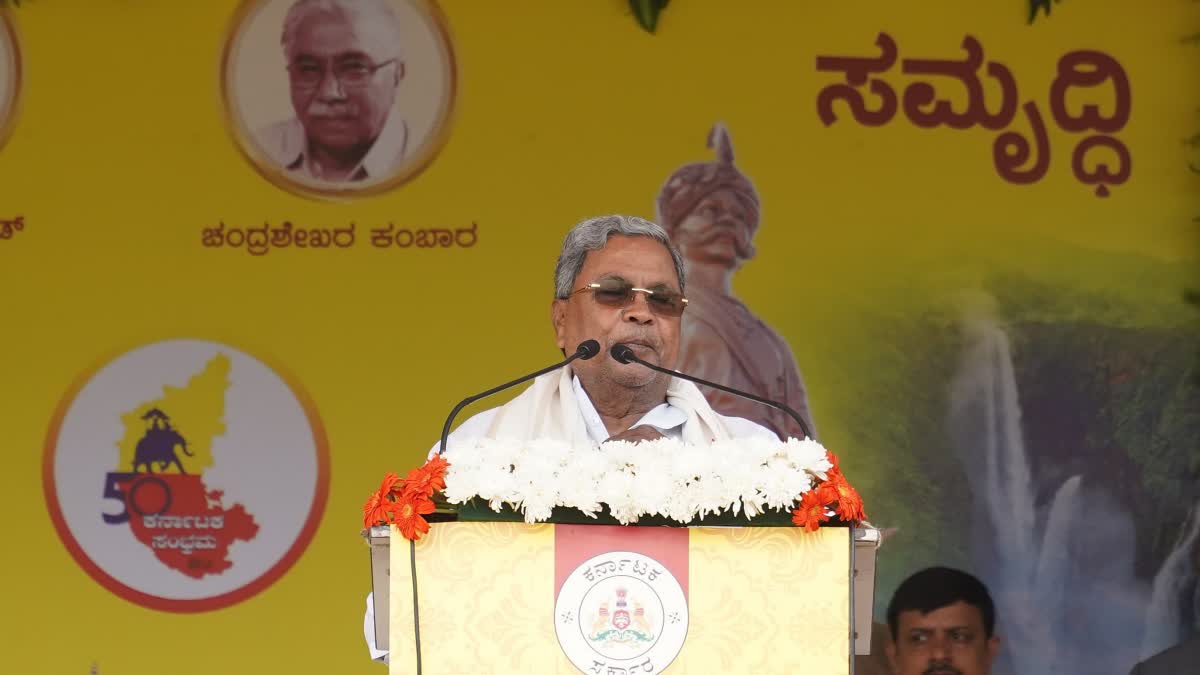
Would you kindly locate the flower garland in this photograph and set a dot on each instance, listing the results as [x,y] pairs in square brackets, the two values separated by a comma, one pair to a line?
[663,477]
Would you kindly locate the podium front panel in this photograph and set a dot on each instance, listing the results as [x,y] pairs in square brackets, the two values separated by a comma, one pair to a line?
[611,600]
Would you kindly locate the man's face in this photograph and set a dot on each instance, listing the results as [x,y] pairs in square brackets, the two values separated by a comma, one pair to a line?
[946,641]
[645,263]
[718,230]
[340,96]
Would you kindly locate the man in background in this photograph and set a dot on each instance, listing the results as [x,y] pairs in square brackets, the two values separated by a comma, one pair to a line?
[942,622]
[1182,659]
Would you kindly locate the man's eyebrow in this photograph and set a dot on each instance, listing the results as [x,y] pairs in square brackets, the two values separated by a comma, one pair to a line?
[355,55]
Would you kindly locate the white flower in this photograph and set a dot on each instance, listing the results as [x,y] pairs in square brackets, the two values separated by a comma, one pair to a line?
[779,483]
[650,491]
[808,455]
[462,482]
[661,477]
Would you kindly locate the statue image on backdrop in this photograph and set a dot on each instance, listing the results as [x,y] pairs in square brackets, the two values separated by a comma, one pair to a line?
[711,211]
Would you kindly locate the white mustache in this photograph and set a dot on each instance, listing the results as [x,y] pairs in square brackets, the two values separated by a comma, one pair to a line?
[639,341]
[334,111]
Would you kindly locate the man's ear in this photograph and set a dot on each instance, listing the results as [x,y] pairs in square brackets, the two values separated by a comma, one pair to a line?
[399,72]
[558,317]
[993,647]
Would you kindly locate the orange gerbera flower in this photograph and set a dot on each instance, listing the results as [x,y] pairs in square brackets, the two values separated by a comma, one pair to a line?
[826,493]
[424,481]
[437,468]
[408,516]
[371,511]
[380,505]
[379,511]
[811,512]
[390,481]
[403,501]
[849,503]
[833,459]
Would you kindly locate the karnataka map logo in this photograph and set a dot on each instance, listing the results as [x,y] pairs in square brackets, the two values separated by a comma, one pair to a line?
[160,475]
[621,612]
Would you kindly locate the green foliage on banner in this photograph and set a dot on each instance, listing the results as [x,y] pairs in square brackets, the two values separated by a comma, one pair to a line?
[1105,399]
[1036,5]
[646,12]
[1193,142]
[1096,351]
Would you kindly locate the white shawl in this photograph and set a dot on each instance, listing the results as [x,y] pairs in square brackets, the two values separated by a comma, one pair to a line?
[548,409]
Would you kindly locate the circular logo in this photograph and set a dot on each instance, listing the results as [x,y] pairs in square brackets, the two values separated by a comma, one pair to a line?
[621,610]
[162,475]
[10,75]
[339,98]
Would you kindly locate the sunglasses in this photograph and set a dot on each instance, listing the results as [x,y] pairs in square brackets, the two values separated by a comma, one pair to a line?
[616,292]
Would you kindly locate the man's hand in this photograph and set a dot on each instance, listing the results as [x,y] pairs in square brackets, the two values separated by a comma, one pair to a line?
[644,432]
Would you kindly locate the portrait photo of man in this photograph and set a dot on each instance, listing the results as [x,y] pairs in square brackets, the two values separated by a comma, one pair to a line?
[344,67]
[334,105]
[711,211]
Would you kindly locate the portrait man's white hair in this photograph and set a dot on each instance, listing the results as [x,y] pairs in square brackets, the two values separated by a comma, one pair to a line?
[375,17]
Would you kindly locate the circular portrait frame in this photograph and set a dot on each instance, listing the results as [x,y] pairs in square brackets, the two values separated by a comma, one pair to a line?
[10,76]
[254,88]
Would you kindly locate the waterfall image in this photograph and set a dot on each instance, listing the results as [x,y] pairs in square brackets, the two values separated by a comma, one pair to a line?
[1054,541]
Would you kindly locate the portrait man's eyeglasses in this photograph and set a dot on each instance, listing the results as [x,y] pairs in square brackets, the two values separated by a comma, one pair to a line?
[350,74]
[617,292]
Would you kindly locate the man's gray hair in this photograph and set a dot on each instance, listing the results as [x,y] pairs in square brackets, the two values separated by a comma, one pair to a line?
[593,235]
[378,13]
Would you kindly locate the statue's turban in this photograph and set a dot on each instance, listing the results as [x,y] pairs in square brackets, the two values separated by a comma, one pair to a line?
[692,182]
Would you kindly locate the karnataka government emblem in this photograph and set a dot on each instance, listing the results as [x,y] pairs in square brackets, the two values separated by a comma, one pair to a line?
[621,610]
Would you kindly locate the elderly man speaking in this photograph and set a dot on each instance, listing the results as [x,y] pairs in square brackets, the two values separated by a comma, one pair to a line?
[618,280]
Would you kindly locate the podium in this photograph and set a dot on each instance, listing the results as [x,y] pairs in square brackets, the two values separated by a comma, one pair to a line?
[617,600]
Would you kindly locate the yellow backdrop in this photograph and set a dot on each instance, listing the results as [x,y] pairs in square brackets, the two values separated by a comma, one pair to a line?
[121,154]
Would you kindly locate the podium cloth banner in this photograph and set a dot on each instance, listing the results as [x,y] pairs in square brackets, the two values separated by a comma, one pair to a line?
[546,598]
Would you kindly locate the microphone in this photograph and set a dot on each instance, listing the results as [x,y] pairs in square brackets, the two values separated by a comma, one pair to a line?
[624,354]
[586,350]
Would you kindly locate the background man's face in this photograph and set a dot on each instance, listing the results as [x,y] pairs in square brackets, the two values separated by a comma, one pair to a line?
[645,263]
[947,641]
[718,230]
[335,115]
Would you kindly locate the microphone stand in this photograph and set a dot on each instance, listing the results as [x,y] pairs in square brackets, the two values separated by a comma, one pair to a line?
[624,354]
[586,350]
